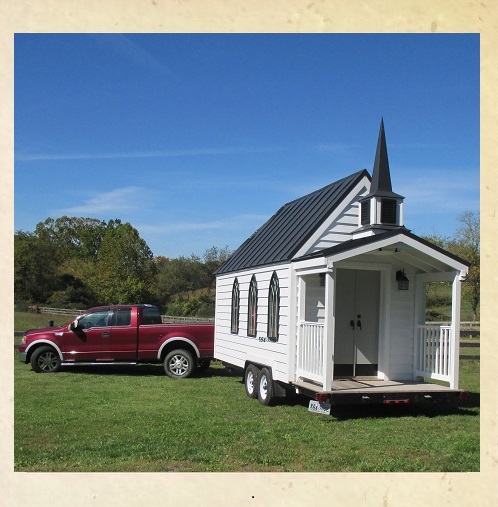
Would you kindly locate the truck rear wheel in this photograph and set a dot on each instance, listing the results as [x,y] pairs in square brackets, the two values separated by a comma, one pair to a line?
[179,364]
[45,360]
[266,389]
[251,381]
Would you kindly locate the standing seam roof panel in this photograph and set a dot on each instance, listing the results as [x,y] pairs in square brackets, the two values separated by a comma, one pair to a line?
[289,228]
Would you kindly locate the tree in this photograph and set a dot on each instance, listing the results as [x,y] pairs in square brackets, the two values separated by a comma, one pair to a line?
[35,267]
[125,269]
[75,236]
[466,244]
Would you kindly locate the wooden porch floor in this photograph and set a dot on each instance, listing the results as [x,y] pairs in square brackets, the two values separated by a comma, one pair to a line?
[359,386]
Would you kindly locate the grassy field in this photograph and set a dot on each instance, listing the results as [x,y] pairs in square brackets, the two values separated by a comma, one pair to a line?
[134,418]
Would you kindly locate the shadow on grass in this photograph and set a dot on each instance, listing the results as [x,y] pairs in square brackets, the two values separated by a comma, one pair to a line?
[383,411]
[140,370]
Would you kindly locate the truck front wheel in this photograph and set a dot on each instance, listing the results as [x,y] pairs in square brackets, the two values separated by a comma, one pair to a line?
[45,360]
[179,364]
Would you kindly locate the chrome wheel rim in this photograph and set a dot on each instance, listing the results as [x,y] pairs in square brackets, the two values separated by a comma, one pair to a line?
[178,365]
[47,361]
[250,382]
[263,387]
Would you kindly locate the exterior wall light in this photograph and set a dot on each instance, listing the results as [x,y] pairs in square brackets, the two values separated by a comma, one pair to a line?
[403,282]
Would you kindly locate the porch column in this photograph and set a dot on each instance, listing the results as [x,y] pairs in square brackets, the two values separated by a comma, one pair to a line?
[456,295]
[328,345]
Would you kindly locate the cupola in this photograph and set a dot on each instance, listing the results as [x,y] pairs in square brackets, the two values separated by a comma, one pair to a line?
[381,209]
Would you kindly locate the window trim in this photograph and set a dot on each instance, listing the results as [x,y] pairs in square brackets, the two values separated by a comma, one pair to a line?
[252,308]
[235,312]
[273,307]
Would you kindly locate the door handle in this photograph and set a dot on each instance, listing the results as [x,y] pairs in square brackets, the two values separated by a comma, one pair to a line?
[358,323]
[351,323]
[106,334]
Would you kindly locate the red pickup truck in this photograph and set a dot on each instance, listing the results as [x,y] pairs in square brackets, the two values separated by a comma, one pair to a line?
[126,334]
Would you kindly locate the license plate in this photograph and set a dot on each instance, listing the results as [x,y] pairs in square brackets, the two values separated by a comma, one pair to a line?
[319,408]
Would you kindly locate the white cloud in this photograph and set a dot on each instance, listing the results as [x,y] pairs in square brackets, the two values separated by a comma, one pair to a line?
[189,152]
[440,191]
[125,47]
[231,223]
[118,200]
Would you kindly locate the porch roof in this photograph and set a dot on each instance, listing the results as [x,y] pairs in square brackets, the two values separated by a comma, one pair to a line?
[372,245]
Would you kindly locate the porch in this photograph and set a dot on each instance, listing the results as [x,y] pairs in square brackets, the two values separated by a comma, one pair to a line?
[354,391]
[436,352]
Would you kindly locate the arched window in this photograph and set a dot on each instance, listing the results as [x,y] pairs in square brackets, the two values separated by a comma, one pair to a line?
[252,313]
[273,307]
[235,307]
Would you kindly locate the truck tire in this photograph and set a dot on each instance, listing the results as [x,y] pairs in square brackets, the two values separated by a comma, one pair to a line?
[251,381]
[266,389]
[179,363]
[45,360]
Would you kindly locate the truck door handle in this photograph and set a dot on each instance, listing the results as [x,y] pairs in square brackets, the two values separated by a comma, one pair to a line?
[106,334]
[358,323]
[351,323]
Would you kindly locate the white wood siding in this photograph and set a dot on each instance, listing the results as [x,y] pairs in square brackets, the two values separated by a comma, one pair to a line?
[236,349]
[402,330]
[341,223]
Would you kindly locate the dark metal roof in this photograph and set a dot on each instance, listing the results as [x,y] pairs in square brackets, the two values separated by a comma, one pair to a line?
[281,237]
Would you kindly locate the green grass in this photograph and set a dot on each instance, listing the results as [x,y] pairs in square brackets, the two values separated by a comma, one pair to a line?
[121,418]
[24,320]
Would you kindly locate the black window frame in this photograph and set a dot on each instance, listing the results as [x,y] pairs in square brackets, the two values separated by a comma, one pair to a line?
[273,307]
[235,312]
[252,308]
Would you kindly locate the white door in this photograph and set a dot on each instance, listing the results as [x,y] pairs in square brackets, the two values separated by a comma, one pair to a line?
[356,342]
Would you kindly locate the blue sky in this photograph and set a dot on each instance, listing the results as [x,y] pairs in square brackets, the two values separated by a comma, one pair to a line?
[197,139]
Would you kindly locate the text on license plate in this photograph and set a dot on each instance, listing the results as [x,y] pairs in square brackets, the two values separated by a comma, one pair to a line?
[319,408]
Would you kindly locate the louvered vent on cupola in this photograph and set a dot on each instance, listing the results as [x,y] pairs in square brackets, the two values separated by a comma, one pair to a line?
[381,208]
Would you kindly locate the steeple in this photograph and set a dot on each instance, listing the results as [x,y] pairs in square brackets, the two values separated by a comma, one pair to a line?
[381,209]
[381,175]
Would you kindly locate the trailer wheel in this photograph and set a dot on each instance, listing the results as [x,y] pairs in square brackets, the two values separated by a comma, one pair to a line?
[251,381]
[45,360]
[179,364]
[266,389]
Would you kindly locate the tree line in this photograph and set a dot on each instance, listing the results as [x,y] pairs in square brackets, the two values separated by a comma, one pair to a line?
[75,262]
[466,244]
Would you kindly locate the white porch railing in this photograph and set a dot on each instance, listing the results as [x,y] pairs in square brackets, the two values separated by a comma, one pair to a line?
[434,352]
[310,351]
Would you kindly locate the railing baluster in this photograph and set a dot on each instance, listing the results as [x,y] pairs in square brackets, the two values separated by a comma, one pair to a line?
[434,349]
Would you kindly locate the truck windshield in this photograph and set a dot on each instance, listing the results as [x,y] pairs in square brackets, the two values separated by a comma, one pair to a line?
[151,315]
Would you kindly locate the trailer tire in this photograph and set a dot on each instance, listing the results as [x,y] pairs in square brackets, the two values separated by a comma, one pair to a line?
[251,377]
[179,363]
[266,388]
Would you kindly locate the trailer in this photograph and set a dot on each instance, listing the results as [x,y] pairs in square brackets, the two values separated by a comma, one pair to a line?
[327,298]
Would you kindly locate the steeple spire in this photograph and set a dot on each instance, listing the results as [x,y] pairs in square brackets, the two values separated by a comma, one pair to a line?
[381,209]
[381,175]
